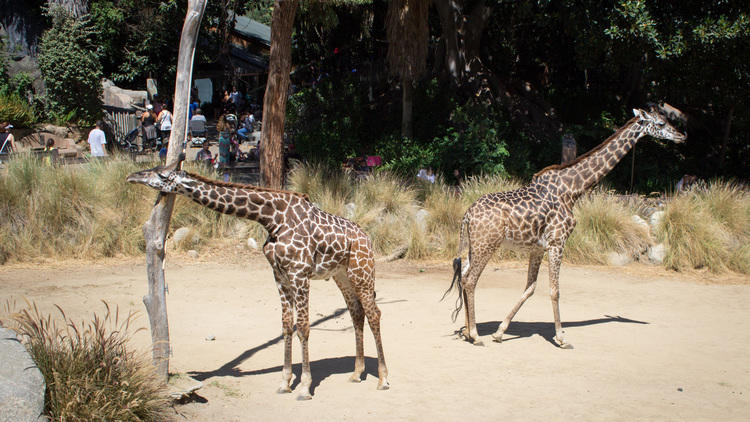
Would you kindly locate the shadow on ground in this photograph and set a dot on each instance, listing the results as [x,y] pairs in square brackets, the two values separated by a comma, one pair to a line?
[520,329]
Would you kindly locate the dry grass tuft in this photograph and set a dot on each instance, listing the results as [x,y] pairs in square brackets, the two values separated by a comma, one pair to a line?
[604,225]
[89,371]
[708,228]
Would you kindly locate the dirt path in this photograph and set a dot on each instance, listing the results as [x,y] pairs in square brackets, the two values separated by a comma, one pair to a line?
[649,345]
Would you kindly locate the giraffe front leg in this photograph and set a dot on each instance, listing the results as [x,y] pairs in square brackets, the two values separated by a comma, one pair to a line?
[303,332]
[555,259]
[287,324]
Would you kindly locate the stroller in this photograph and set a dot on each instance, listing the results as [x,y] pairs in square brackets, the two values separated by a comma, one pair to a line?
[197,133]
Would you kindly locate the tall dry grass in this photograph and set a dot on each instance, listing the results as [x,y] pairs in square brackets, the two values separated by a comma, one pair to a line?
[90,372]
[708,227]
[604,224]
[89,211]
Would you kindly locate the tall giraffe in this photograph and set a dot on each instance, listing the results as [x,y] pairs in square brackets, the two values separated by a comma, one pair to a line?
[303,243]
[539,217]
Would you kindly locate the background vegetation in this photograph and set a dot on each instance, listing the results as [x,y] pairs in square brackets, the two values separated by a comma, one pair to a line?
[500,82]
[90,212]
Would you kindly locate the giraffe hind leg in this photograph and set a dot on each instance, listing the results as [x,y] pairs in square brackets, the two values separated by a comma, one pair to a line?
[364,284]
[535,260]
[358,320]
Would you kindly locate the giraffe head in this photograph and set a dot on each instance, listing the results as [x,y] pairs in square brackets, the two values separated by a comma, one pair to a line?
[656,125]
[162,178]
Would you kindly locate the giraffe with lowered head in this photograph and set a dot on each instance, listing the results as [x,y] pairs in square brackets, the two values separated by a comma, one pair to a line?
[539,218]
[303,243]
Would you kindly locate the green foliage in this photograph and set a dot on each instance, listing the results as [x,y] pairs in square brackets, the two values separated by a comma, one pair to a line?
[328,120]
[70,68]
[16,109]
[89,370]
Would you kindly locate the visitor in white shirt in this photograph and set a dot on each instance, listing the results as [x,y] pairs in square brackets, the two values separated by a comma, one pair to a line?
[97,140]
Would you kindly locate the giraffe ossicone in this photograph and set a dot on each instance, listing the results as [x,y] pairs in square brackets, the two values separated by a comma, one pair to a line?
[539,217]
[303,243]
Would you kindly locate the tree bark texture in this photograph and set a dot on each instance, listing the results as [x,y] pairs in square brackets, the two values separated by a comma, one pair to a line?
[277,90]
[155,229]
[407,104]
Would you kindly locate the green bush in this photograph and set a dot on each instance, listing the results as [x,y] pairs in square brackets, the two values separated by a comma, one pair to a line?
[71,69]
[15,109]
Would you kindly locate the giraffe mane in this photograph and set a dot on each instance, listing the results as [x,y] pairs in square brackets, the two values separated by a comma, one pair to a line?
[587,154]
[243,186]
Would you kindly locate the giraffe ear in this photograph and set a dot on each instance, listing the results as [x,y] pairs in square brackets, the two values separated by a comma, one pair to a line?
[637,112]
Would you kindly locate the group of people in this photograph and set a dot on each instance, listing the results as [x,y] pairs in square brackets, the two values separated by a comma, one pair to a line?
[156,121]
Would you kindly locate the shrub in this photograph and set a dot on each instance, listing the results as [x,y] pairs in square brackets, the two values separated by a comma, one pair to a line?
[604,224]
[15,109]
[70,68]
[89,370]
[708,228]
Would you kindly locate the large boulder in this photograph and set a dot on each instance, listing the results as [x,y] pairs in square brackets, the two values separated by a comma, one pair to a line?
[114,96]
[21,382]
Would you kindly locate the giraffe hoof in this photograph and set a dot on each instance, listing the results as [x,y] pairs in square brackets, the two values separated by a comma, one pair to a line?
[497,338]
[384,385]
[562,343]
[357,378]
[303,397]
[284,390]
[478,342]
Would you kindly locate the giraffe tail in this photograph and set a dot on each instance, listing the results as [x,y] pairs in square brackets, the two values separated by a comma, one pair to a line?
[456,282]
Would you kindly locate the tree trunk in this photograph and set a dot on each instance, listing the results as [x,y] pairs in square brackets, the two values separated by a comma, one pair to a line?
[725,138]
[155,229]
[407,104]
[277,89]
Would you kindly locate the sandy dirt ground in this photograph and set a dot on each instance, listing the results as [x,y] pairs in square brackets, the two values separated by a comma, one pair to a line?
[649,344]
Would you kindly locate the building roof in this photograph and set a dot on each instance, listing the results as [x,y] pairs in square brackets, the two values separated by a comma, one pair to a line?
[253,29]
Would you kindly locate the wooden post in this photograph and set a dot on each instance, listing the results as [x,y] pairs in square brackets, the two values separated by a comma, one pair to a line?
[155,229]
[569,150]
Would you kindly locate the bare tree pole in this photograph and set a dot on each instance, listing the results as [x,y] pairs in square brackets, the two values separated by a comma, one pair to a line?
[277,89]
[155,229]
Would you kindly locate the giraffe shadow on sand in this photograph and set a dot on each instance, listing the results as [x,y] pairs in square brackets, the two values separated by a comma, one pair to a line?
[230,368]
[521,329]
[320,369]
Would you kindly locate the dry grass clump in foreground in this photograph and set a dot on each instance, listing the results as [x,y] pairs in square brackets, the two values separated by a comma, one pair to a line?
[708,228]
[89,371]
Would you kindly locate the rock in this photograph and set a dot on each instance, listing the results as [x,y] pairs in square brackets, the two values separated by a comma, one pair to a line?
[180,234]
[193,253]
[618,259]
[657,253]
[421,218]
[115,96]
[641,222]
[350,208]
[655,220]
[252,244]
[21,382]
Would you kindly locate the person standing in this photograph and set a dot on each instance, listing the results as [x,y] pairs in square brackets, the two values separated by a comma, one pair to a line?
[7,141]
[225,144]
[165,124]
[97,140]
[148,119]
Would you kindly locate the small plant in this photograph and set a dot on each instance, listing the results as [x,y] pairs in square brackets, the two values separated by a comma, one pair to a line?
[89,371]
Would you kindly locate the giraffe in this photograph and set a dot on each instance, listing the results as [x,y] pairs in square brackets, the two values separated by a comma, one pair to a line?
[539,218]
[303,243]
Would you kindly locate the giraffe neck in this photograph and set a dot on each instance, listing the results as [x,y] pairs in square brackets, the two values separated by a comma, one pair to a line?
[589,169]
[265,207]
